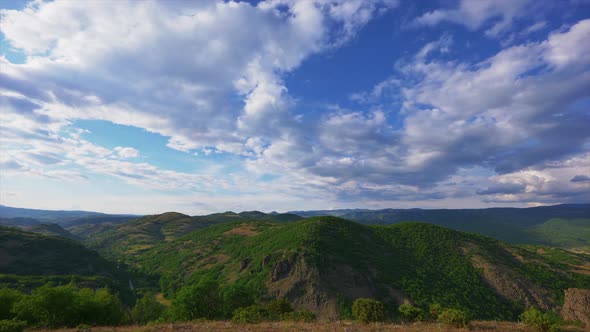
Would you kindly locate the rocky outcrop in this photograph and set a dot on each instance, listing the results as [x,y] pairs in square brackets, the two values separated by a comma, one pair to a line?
[576,305]
[512,286]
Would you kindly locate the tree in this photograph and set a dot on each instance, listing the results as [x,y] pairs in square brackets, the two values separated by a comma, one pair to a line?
[201,300]
[454,317]
[8,297]
[542,322]
[368,310]
[410,313]
[235,296]
[147,309]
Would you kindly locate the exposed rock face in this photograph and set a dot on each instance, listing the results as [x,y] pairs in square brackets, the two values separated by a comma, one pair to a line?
[577,305]
[512,286]
[294,279]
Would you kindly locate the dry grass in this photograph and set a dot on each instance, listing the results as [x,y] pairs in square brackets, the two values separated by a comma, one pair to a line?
[246,230]
[339,326]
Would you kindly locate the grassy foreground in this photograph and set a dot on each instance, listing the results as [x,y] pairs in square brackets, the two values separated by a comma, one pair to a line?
[338,326]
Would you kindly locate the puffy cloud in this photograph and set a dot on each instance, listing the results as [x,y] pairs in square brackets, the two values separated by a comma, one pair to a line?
[126,152]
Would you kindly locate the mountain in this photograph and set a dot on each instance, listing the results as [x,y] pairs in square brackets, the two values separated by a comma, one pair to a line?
[514,225]
[29,260]
[324,263]
[133,237]
[51,230]
[61,217]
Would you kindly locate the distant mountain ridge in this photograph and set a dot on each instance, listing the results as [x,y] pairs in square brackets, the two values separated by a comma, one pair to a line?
[514,225]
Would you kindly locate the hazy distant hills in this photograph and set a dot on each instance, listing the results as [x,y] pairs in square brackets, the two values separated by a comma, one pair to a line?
[565,225]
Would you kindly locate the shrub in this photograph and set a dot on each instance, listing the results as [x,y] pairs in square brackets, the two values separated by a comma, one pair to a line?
[299,316]
[235,296]
[68,306]
[454,317]
[277,308]
[542,322]
[201,300]
[11,325]
[410,313]
[250,314]
[147,309]
[8,297]
[368,310]
[435,309]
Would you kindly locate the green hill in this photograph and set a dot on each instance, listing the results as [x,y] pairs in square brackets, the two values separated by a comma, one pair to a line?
[52,230]
[29,260]
[324,263]
[134,237]
[565,233]
[514,225]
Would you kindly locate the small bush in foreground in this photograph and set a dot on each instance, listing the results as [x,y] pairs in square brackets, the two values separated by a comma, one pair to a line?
[368,310]
[410,313]
[250,314]
[454,317]
[11,325]
[542,322]
[299,316]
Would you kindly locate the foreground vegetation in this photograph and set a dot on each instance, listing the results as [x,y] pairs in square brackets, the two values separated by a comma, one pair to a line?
[264,272]
[335,326]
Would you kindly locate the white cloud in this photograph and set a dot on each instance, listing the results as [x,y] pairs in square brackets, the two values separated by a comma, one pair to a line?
[126,152]
[473,14]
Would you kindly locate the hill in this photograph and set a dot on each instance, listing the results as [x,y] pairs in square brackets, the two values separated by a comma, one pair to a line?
[51,230]
[514,225]
[133,237]
[29,260]
[324,263]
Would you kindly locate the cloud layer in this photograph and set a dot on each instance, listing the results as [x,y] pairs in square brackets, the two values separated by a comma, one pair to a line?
[210,77]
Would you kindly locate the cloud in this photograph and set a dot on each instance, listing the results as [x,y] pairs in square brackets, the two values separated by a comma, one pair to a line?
[517,111]
[474,14]
[126,152]
[580,178]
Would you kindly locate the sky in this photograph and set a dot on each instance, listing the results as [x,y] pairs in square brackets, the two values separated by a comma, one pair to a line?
[201,106]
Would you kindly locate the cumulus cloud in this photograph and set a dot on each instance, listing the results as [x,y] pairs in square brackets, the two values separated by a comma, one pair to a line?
[210,76]
[126,152]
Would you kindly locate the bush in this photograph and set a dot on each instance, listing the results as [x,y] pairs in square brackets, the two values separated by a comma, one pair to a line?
[8,297]
[542,322]
[299,316]
[147,309]
[368,310]
[235,296]
[11,325]
[454,317]
[250,314]
[277,308]
[435,309]
[201,300]
[410,313]
[68,306]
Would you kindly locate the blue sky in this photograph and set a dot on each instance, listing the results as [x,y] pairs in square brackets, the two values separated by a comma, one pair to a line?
[197,107]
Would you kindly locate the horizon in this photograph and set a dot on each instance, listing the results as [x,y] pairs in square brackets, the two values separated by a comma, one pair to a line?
[289,211]
[146,107]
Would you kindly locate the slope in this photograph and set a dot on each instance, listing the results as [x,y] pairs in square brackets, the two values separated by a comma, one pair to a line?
[514,225]
[131,238]
[29,260]
[323,264]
